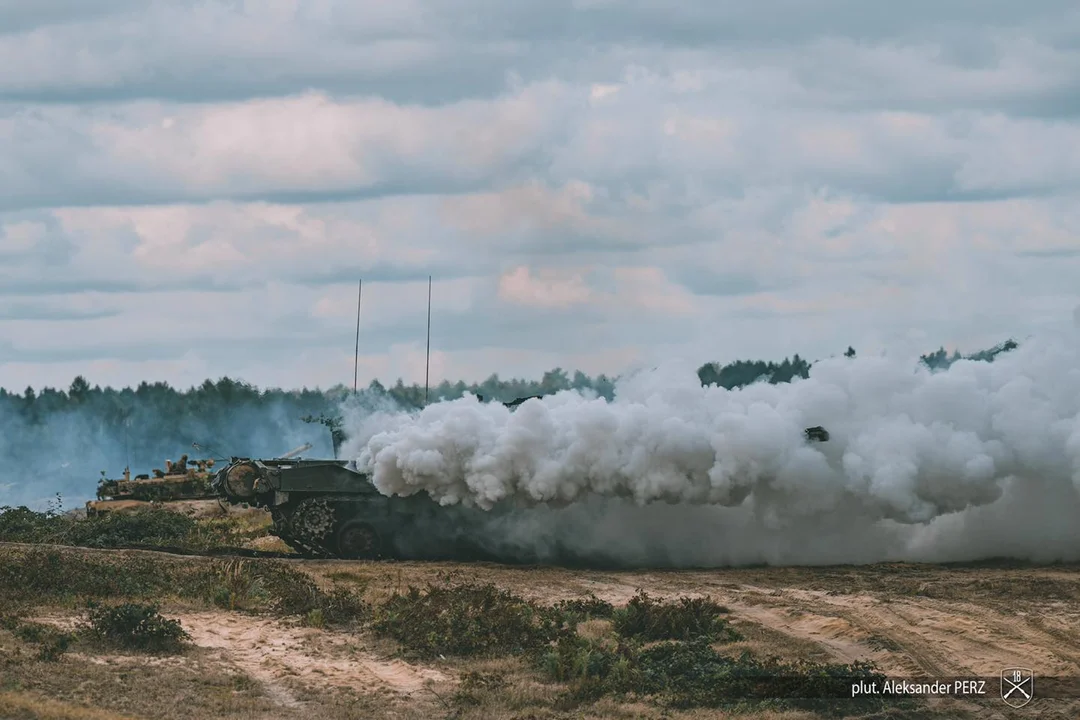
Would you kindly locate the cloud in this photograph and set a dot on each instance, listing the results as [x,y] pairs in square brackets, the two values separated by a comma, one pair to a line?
[547,290]
[539,146]
[305,145]
[188,184]
[51,311]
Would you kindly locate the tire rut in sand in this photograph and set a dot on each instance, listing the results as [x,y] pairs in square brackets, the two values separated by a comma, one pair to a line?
[277,654]
[851,627]
[904,643]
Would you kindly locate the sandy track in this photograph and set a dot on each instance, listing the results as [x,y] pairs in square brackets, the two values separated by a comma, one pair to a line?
[908,619]
[271,651]
[912,636]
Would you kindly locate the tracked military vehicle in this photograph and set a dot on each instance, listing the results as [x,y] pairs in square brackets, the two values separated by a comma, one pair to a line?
[328,508]
[181,480]
[322,508]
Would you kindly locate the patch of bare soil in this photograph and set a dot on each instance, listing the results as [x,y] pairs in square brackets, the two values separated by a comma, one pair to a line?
[273,651]
[236,665]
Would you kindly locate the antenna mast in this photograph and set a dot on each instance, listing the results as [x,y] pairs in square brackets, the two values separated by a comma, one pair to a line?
[356,353]
[427,359]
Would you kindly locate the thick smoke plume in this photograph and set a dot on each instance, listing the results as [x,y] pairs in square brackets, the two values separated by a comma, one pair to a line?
[981,459]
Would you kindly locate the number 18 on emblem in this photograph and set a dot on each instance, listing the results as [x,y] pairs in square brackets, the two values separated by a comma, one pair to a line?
[1017,686]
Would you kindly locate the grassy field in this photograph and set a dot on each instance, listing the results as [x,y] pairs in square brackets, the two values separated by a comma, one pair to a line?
[95,632]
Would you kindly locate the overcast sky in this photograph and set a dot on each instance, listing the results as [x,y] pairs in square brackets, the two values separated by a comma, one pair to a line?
[193,189]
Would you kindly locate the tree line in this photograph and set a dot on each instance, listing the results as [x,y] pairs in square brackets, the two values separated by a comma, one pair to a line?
[67,438]
[194,410]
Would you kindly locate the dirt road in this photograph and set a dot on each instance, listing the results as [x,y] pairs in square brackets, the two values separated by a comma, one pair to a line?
[910,619]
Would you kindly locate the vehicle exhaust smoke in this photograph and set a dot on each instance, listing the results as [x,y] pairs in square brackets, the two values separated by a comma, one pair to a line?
[979,460]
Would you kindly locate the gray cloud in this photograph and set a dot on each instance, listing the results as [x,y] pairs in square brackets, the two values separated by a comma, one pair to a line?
[39,312]
[1063,253]
[438,51]
[705,281]
[20,17]
[590,182]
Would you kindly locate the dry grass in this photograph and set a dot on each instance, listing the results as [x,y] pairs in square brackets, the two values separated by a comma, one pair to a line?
[763,641]
[118,686]
[911,619]
[31,706]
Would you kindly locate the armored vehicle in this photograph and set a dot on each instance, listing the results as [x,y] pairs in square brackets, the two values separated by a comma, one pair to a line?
[182,480]
[328,508]
[322,508]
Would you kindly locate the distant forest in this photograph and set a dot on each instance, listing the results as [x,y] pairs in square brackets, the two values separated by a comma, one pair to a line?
[64,440]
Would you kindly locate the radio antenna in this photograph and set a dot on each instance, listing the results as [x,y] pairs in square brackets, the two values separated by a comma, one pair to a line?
[427,359]
[356,352]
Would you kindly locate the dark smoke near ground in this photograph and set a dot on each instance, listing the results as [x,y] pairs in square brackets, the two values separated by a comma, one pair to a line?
[60,442]
[948,459]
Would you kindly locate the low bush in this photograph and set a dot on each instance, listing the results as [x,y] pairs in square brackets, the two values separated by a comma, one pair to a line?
[230,584]
[149,527]
[463,619]
[694,674]
[645,618]
[38,575]
[52,646]
[258,585]
[52,642]
[582,609]
[474,685]
[152,526]
[23,525]
[134,626]
[577,659]
[41,575]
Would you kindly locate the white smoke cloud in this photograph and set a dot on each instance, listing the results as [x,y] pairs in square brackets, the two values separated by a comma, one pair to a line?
[980,459]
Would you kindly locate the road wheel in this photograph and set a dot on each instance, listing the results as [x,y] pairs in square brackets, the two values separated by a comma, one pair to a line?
[356,540]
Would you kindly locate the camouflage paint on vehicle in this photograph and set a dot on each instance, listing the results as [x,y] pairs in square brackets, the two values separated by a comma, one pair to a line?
[182,480]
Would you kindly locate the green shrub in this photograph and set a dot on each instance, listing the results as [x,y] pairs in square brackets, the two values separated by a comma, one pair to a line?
[647,619]
[464,620]
[230,584]
[152,526]
[294,592]
[52,642]
[271,586]
[37,575]
[219,532]
[52,647]
[582,609]
[695,675]
[574,659]
[134,626]
[23,525]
